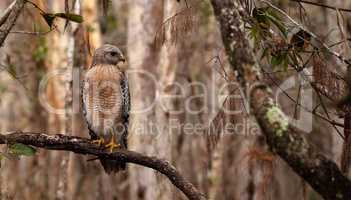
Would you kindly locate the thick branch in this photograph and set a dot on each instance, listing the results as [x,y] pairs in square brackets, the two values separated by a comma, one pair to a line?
[84,146]
[321,173]
[9,18]
[6,13]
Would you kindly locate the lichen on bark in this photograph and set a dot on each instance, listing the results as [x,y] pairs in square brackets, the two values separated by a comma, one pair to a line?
[278,120]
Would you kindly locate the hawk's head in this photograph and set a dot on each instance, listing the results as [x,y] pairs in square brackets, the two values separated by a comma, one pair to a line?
[108,54]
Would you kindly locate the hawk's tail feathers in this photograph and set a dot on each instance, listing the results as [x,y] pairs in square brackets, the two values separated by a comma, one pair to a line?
[112,166]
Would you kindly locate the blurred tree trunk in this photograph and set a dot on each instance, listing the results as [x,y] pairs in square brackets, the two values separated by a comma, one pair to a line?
[59,70]
[145,18]
[24,68]
[79,166]
[323,135]
[170,109]
[33,66]
[72,98]
[91,23]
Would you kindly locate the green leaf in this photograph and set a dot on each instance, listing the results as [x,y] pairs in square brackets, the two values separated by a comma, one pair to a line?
[265,53]
[281,58]
[12,70]
[280,26]
[40,53]
[21,149]
[277,21]
[3,88]
[254,33]
[276,60]
[49,18]
[70,17]
[286,64]
[259,15]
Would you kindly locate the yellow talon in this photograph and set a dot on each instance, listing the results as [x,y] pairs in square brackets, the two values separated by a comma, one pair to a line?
[112,145]
[99,141]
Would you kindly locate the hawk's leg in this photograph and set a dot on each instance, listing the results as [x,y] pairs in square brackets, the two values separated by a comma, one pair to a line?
[112,145]
[99,141]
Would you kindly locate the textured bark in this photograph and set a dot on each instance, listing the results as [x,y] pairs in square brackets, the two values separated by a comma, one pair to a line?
[322,174]
[346,154]
[9,20]
[6,13]
[346,151]
[85,146]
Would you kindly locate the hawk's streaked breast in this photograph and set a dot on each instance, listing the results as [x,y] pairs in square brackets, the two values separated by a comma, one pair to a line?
[103,98]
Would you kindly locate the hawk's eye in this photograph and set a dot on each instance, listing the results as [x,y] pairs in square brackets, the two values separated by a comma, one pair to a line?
[113,53]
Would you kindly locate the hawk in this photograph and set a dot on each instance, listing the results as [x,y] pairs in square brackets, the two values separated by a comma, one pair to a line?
[106,103]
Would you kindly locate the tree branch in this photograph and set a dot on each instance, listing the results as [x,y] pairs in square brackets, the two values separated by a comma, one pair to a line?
[6,13]
[9,18]
[322,5]
[84,146]
[321,173]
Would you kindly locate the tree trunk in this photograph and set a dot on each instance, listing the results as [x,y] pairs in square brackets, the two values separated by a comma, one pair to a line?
[273,122]
[59,70]
[23,73]
[145,18]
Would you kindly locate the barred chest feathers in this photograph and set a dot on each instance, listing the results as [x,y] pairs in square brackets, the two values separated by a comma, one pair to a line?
[102,98]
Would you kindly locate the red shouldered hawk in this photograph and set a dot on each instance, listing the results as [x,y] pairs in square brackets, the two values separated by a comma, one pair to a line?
[106,103]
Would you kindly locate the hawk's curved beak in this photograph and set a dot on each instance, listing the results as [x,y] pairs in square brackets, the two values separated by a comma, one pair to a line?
[123,59]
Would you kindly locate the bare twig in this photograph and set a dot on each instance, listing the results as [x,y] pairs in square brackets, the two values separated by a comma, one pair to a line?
[35,6]
[160,39]
[84,146]
[340,42]
[297,103]
[326,47]
[323,5]
[38,33]
[10,20]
